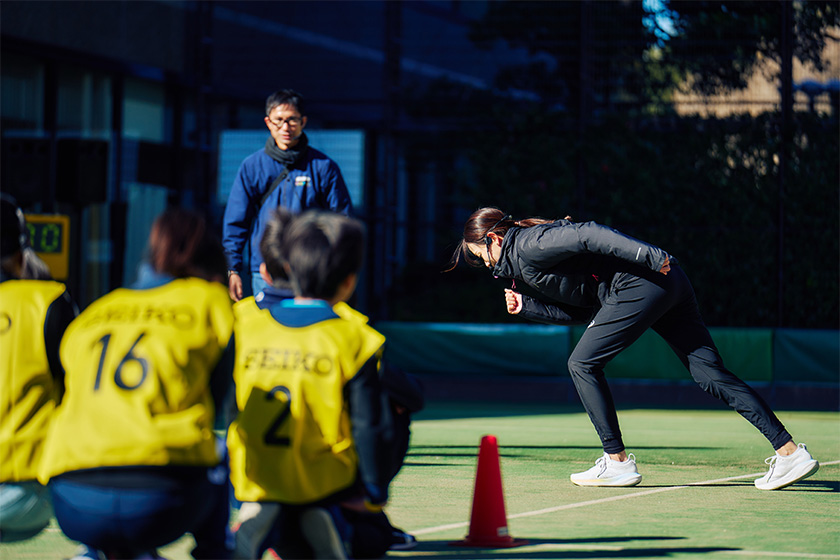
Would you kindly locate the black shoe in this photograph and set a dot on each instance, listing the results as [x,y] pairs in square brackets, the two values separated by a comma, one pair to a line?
[400,540]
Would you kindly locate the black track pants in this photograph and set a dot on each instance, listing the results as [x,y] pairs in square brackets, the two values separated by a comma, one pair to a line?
[668,306]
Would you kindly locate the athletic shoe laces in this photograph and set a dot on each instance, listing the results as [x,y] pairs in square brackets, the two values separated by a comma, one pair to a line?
[601,463]
[771,461]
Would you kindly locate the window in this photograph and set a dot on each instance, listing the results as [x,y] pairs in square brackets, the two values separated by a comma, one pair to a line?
[22,94]
[84,103]
[144,111]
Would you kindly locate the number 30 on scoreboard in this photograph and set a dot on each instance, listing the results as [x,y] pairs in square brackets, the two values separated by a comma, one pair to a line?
[49,235]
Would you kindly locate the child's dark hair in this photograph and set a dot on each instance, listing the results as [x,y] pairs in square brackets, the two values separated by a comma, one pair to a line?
[320,250]
[181,245]
[271,244]
[15,248]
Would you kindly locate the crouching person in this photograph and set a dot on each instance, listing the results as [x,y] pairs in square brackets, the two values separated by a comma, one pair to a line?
[310,447]
[131,457]
[34,313]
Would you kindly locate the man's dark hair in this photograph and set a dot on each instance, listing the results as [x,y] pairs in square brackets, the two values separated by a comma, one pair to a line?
[321,250]
[285,97]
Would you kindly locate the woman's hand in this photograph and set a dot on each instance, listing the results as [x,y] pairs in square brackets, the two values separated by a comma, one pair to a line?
[666,266]
[513,301]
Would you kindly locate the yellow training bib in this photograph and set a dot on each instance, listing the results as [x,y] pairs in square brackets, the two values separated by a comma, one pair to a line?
[292,441]
[138,364]
[27,391]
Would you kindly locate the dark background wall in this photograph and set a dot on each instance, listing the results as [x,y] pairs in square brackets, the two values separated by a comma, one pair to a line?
[112,109]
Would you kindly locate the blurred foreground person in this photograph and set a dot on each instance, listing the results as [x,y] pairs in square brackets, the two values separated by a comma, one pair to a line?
[131,457]
[34,313]
[313,446]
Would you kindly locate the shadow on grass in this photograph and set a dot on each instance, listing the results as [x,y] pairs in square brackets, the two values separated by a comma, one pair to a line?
[811,485]
[589,548]
[579,447]
[814,485]
[512,450]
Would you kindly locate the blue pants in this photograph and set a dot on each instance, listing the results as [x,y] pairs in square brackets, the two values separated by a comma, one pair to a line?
[667,305]
[125,521]
[257,283]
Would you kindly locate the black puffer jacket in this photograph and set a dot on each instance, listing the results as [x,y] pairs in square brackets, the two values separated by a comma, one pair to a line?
[570,266]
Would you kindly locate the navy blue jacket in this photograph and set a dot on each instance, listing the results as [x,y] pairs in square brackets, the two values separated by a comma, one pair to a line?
[315,181]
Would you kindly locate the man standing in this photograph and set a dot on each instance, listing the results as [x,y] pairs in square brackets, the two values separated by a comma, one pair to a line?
[287,173]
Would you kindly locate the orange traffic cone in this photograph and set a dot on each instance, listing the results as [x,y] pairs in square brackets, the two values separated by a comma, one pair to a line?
[488,522]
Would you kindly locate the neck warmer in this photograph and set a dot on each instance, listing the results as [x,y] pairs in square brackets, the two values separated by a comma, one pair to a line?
[287,157]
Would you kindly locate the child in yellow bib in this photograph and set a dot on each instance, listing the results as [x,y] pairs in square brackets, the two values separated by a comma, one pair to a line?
[34,313]
[131,456]
[313,428]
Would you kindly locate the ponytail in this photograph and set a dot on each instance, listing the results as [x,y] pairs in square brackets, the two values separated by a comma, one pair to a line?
[480,224]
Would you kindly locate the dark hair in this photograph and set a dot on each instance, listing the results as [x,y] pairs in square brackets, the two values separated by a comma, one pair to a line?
[181,245]
[285,97]
[480,224]
[14,244]
[321,249]
[271,244]
[13,233]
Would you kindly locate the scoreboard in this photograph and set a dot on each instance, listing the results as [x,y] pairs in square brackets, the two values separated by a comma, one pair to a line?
[49,235]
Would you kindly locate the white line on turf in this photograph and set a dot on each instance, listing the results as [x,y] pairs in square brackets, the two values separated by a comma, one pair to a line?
[543,511]
[780,554]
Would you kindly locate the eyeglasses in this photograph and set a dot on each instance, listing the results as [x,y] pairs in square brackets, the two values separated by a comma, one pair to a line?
[293,122]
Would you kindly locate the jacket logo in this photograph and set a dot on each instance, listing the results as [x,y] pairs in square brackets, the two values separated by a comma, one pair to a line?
[303,181]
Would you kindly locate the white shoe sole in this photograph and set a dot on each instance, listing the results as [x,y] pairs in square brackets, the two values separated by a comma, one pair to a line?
[630,479]
[798,473]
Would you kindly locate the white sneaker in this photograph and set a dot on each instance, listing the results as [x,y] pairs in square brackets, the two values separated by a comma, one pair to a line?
[607,472]
[785,471]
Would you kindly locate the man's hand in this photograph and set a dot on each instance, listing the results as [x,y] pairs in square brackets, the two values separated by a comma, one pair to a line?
[666,266]
[235,286]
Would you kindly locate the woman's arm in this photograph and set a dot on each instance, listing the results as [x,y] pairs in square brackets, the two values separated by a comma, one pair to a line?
[548,246]
[541,312]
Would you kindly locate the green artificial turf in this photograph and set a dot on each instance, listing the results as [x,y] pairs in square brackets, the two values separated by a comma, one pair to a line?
[697,498]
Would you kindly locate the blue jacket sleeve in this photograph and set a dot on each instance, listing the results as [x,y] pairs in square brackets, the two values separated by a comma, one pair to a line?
[239,215]
[338,197]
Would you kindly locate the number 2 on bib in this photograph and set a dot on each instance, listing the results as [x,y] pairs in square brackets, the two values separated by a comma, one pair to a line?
[271,437]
